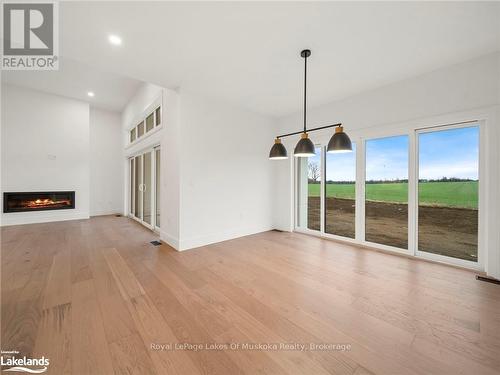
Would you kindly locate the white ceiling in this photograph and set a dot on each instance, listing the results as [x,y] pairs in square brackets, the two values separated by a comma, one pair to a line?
[74,80]
[248,53]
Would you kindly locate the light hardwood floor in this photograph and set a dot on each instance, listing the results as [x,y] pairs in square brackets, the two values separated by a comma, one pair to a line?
[94,295]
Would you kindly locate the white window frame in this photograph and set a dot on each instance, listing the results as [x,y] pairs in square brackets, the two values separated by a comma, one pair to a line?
[411,130]
[151,109]
[130,135]
[296,199]
[480,248]
[363,198]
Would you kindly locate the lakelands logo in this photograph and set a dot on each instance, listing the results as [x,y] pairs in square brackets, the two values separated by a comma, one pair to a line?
[30,35]
[23,364]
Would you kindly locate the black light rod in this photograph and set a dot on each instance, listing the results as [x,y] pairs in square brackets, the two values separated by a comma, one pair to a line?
[305,90]
[310,130]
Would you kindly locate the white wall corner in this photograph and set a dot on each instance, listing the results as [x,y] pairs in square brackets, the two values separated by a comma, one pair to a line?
[223,187]
[196,242]
[54,157]
[171,240]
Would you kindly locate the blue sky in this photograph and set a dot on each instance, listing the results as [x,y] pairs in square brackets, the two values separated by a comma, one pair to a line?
[387,158]
[341,167]
[447,153]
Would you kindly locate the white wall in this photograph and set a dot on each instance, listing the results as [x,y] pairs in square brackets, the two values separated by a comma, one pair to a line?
[468,89]
[225,172]
[135,108]
[51,142]
[106,163]
[170,198]
[45,147]
[215,174]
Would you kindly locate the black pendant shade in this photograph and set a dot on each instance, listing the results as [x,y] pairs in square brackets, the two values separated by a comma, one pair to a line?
[278,151]
[339,142]
[304,148]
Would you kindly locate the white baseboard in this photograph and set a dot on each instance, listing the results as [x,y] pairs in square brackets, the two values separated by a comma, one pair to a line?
[107,212]
[194,242]
[170,240]
[19,218]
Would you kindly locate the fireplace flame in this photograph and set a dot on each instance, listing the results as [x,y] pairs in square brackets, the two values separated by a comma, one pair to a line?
[47,202]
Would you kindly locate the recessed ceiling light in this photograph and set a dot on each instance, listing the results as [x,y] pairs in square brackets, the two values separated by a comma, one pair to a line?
[115,40]
[91,94]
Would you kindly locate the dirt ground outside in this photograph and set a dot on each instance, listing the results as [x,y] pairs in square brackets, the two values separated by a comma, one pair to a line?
[442,230]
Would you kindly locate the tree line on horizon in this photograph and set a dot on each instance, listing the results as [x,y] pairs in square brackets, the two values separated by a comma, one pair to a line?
[395,181]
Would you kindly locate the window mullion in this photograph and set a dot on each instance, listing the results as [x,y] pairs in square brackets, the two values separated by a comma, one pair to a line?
[360,190]
[412,193]
[322,189]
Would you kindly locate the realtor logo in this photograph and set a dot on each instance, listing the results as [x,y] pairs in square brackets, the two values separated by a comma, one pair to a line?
[30,40]
[23,364]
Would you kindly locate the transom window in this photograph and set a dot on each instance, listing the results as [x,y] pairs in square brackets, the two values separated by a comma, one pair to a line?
[151,121]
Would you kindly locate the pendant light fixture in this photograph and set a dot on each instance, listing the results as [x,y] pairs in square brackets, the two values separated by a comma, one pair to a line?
[339,142]
[278,151]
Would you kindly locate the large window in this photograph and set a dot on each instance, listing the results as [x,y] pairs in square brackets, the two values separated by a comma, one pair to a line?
[340,193]
[309,191]
[448,178]
[418,191]
[386,191]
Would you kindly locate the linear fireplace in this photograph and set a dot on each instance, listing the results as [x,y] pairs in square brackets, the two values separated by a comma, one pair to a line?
[38,201]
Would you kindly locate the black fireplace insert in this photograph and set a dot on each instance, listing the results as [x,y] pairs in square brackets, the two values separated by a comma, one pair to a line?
[38,201]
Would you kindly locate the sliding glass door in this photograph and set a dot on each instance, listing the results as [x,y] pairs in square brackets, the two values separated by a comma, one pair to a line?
[340,193]
[415,192]
[131,186]
[144,188]
[138,187]
[157,186]
[147,187]
[309,192]
[386,191]
[448,190]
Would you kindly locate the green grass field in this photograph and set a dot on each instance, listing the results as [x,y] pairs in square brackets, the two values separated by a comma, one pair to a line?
[450,194]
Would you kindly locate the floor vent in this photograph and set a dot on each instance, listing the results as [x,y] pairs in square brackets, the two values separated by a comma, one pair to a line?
[487,279]
[118,215]
[277,230]
[156,243]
